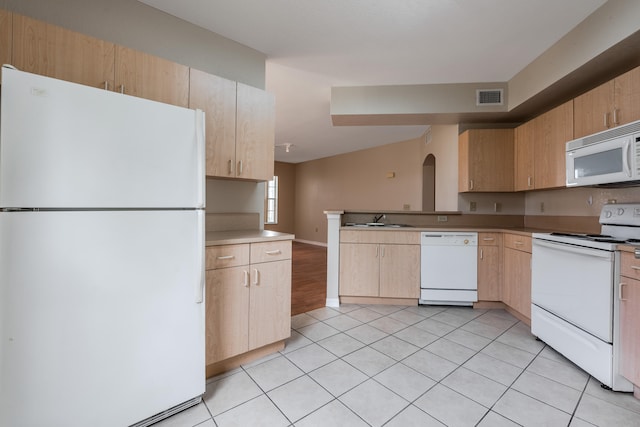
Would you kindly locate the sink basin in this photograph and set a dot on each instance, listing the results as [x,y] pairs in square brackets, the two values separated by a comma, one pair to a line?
[374,225]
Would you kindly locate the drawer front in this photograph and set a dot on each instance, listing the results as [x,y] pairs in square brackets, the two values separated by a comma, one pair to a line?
[489,239]
[270,251]
[518,242]
[227,256]
[379,236]
[630,266]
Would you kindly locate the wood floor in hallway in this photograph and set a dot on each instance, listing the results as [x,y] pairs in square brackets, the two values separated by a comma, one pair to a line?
[308,277]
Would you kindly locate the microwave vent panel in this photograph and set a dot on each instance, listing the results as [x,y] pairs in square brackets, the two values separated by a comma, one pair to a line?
[489,97]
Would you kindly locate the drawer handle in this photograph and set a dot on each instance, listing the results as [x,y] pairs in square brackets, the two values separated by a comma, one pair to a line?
[635,267]
[620,291]
[273,252]
[518,243]
[488,239]
[225,257]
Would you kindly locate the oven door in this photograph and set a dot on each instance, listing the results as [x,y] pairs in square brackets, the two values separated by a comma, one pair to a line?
[576,284]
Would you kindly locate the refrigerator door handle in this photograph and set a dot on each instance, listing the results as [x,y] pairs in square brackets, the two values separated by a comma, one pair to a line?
[200,284]
[200,146]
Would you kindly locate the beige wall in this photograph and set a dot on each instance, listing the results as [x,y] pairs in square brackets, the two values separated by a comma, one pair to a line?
[359,180]
[138,26]
[286,173]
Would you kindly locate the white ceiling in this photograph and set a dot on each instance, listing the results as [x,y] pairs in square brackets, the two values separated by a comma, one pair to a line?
[312,45]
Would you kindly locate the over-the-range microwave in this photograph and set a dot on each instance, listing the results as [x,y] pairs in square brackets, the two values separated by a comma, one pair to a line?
[610,157]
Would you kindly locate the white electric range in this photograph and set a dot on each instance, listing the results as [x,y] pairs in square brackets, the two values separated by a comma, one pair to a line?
[574,295]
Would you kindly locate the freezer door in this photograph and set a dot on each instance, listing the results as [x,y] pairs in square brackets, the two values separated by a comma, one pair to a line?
[101,322]
[65,145]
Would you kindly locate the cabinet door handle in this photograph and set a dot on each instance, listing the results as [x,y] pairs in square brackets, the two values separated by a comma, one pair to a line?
[481,254]
[606,120]
[245,283]
[256,277]
[274,252]
[106,85]
[223,257]
[121,88]
[529,181]
[377,251]
[230,167]
[383,252]
[620,291]
[240,168]
[615,116]
[470,184]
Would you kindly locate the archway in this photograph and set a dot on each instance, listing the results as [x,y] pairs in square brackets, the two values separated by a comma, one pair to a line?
[429,183]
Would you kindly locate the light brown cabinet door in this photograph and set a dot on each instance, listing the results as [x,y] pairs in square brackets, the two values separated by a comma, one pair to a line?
[525,138]
[269,303]
[550,149]
[6,34]
[489,273]
[147,76]
[627,97]
[255,133]
[593,110]
[359,269]
[216,96]
[629,327]
[227,313]
[486,160]
[399,271]
[517,281]
[53,51]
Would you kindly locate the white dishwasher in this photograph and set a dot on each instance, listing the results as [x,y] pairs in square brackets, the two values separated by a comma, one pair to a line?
[448,268]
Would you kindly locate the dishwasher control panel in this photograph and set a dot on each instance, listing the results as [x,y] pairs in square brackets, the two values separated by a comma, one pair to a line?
[449,238]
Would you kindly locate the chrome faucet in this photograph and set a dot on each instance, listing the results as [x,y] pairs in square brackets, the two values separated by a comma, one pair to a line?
[377,218]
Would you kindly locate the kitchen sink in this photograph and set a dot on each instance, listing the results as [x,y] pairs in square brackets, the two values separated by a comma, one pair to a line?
[374,225]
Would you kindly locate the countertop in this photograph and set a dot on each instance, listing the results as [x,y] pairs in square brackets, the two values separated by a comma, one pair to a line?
[215,238]
[521,231]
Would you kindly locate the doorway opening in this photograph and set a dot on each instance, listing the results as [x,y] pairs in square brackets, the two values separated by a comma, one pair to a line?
[429,183]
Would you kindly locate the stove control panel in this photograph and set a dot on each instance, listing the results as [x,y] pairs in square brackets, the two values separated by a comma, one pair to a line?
[621,214]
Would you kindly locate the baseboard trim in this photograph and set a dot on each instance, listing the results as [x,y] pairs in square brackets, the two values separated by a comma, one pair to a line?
[379,300]
[242,359]
[310,242]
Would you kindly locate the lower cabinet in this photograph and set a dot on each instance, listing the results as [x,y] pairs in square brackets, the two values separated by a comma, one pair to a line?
[489,266]
[629,294]
[516,290]
[371,265]
[248,303]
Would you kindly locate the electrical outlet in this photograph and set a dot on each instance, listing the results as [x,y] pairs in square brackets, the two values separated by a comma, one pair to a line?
[442,218]
[541,206]
[472,206]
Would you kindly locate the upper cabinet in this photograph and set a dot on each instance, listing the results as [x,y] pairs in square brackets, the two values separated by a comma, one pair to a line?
[217,98]
[147,76]
[611,104]
[240,127]
[5,37]
[255,133]
[52,51]
[485,160]
[540,149]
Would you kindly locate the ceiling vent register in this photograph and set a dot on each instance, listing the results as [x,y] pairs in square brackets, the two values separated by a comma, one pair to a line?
[489,97]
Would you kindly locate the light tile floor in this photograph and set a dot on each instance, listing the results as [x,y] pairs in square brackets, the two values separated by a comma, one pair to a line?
[409,366]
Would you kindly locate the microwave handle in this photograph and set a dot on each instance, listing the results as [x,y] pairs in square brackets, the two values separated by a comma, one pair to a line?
[626,157]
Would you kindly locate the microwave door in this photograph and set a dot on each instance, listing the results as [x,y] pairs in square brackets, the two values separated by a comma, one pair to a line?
[602,163]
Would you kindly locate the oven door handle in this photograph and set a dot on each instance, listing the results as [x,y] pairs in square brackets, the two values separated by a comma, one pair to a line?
[626,157]
[598,253]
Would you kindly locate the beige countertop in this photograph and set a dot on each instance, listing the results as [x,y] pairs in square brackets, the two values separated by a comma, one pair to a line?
[215,238]
[521,231]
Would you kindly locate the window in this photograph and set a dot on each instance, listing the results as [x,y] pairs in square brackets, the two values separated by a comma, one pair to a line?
[271,202]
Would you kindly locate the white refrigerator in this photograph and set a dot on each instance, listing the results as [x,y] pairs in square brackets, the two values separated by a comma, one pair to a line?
[101,255]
